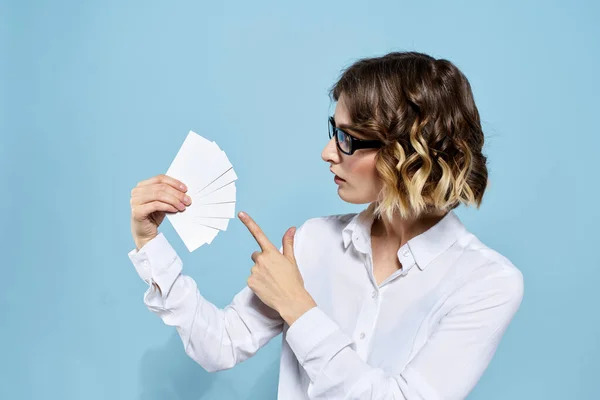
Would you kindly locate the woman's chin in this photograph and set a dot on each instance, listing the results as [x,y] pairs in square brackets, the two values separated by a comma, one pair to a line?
[348,198]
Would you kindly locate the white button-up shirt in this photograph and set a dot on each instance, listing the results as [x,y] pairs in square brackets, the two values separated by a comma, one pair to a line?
[428,331]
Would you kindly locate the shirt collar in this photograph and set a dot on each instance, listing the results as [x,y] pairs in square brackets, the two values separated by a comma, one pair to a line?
[420,250]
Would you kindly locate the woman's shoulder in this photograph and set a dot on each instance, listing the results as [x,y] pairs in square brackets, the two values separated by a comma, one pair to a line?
[472,246]
[485,267]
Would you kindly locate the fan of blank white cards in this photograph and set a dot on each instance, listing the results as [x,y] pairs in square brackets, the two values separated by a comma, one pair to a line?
[209,176]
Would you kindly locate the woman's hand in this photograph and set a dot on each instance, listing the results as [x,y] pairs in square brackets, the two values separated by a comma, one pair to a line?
[150,200]
[275,277]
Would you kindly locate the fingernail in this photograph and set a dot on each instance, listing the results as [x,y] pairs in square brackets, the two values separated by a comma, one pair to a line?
[182,187]
[242,214]
[187,199]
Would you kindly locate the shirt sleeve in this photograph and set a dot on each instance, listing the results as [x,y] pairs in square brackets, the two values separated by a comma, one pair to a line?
[447,367]
[217,339]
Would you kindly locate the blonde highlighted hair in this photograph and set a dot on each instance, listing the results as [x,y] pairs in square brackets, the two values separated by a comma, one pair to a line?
[423,110]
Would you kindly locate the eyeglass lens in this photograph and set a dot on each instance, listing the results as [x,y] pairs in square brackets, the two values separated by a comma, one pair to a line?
[343,139]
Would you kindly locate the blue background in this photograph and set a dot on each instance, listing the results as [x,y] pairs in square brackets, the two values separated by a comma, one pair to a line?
[96,96]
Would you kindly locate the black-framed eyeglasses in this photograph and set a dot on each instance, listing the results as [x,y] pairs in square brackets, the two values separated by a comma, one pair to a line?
[347,143]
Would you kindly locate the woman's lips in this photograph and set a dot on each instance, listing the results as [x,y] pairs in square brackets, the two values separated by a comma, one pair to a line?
[337,178]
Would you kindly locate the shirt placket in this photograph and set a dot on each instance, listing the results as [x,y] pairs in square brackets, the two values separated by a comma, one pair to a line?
[367,317]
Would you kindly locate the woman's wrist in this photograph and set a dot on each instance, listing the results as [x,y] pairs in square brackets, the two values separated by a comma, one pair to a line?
[141,242]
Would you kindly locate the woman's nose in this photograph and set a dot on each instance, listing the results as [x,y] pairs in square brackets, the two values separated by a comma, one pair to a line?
[330,152]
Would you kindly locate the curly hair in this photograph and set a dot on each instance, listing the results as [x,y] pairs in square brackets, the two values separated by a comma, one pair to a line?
[423,110]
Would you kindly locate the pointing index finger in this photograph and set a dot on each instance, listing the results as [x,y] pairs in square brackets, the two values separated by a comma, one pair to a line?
[255,230]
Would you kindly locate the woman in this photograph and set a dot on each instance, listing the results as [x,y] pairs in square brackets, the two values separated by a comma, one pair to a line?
[398,301]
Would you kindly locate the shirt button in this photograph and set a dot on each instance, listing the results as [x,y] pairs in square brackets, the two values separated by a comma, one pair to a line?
[405,253]
[145,263]
[374,295]
[362,335]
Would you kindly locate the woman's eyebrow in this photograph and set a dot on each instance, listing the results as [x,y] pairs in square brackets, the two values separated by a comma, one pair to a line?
[343,126]
[348,129]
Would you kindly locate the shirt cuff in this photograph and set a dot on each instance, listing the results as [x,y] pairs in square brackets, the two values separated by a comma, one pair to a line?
[157,262]
[310,329]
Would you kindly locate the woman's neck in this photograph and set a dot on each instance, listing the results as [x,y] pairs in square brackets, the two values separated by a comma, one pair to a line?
[399,230]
